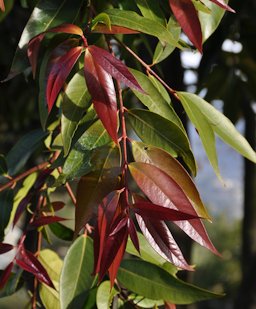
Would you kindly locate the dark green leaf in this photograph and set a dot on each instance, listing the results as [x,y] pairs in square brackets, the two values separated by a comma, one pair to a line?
[6,199]
[61,231]
[3,165]
[160,132]
[151,10]
[153,282]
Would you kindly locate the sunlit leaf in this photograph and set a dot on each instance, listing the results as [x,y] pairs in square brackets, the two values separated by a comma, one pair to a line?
[6,198]
[105,295]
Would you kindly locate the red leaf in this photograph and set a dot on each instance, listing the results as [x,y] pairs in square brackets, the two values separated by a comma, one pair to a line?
[21,207]
[133,235]
[162,190]
[106,213]
[59,71]
[5,275]
[2,7]
[57,205]
[34,44]
[5,248]
[102,90]
[113,269]
[30,263]
[46,220]
[160,238]
[147,209]
[101,28]
[169,306]
[187,16]
[114,67]
[223,5]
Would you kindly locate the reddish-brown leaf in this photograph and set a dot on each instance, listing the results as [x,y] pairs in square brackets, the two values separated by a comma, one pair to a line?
[57,205]
[2,7]
[169,306]
[5,248]
[59,71]
[21,207]
[114,67]
[30,263]
[157,212]
[5,275]
[162,190]
[223,5]
[45,221]
[34,44]
[102,90]
[102,28]
[160,238]
[187,17]
[133,235]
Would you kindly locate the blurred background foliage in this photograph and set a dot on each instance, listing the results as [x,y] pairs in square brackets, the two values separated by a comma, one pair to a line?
[226,75]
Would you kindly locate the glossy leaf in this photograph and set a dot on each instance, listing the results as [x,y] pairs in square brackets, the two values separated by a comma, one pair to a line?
[168,164]
[203,115]
[23,149]
[5,247]
[162,190]
[31,264]
[61,231]
[59,71]
[78,162]
[105,295]
[223,4]
[6,198]
[102,91]
[160,132]
[44,16]
[75,103]
[151,10]
[161,240]
[5,275]
[78,279]
[134,21]
[93,187]
[45,220]
[187,16]
[153,99]
[153,282]
[133,235]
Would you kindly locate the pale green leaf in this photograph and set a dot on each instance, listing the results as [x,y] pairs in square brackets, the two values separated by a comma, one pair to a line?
[105,295]
[6,199]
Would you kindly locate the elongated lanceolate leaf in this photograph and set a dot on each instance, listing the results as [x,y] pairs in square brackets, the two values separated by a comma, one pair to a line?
[160,239]
[59,71]
[168,164]
[151,281]
[160,132]
[115,67]
[45,15]
[76,276]
[186,15]
[5,275]
[197,107]
[6,204]
[5,248]
[134,21]
[223,4]
[151,10]
[100,28]
[102,91]
[162,190]
[45,220]
[2,6]
[30,263]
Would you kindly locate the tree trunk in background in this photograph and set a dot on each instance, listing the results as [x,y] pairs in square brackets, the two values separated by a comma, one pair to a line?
[246,298]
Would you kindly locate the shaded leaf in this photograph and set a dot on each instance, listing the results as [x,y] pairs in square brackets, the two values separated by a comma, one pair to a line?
[160,132]
[187,16]
[61,231]
[5,275]
[5,247]
[31,264]
[6,198]
[151,10]
[78,279]
[168,164]
[153,282]
[3,165]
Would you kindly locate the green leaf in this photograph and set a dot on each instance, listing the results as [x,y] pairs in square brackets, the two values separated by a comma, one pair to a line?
[61,231]
[201,7]
[208,120]
[155,130]
[210,22]
[6,198]
[76,101]
[163,49]
[151,10]
[53,265]
[134,21]
[76,276]
[143,302]
[105,295]
[46,15]
[3,165]
[153,99]
[153,282]
[101,18]
[78,162]
[162,160]
[23,149]
[93,187]
[8,8]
